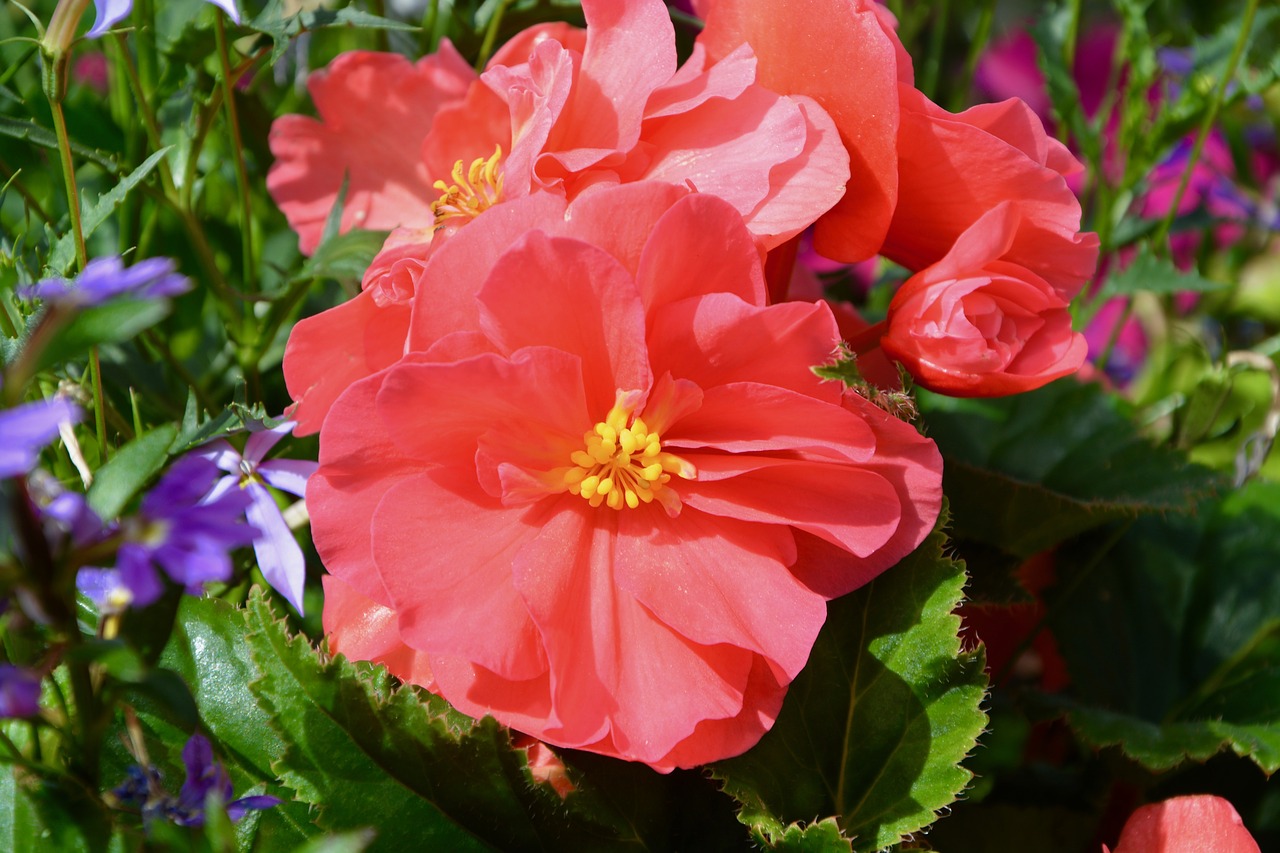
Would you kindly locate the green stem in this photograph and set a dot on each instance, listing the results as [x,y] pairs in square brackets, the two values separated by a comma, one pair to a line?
[981,35]
[491,34]
[68,174]
[125,61]
[237,149]
[937,41]
[1160,241]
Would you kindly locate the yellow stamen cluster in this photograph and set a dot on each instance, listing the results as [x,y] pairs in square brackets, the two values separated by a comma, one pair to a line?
[623,465]
[472,192]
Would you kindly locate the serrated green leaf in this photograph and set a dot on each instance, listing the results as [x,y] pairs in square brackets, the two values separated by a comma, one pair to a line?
[112,322]
[344,257]
[94,215]
[370,753]
[1173,638]
[822,836]
[42,136]
[874,729]
[273,22]
[1024,473]
[129,470]
[1147,273]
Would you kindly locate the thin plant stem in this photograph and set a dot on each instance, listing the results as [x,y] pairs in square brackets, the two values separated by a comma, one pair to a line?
[491,34]
[237,149]
[981,35]
[69,176]
[1160,241]
[937,41]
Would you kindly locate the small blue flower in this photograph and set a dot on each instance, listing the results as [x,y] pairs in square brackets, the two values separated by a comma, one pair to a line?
[19,692]
[279,556]
[106,278]
[26,429]
[183,535]
[110,12]
[143,789]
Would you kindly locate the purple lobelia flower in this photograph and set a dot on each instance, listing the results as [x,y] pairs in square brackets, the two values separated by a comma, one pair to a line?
[205,775]
[19,692]
[26,429]
[143,788]
[180,532]
[106,278]
[110,12]
[277,551]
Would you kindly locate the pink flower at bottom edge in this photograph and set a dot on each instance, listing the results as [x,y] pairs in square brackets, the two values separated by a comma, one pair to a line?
[1200,823]
[587,511]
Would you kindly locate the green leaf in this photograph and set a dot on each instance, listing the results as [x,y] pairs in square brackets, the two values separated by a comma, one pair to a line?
[344,257]
[129,470]
[37,814]
[273,22]
[112,322]
[94,215]
[42,136]
[1172,635]
[1147,273]
[347,842]
[874,729]
[370,753]
[1024,473]
[824,836]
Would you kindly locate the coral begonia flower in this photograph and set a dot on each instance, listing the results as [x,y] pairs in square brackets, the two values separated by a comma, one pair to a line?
[582,496]
[846,56]
[583,111]
[1200,823]
[953,169]
[978,325]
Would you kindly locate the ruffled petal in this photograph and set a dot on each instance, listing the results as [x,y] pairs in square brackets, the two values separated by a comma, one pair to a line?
[586,304]
[362,629]
[455,598]
[329,352]
[716,339]
[375,111]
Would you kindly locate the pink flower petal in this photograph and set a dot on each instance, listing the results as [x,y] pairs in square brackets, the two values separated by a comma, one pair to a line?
[330,351]
[675,262]
[586,304]
[566,579]
[688,572]
[1199,823]
[717,339]
[375,110]
[455,598]
[362,629]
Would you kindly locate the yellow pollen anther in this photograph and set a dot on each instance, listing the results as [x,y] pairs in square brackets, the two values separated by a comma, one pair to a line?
[624,465]
[472,192]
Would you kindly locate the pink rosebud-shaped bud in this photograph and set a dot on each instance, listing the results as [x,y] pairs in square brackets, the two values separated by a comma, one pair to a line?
[975,325]
[1200,823]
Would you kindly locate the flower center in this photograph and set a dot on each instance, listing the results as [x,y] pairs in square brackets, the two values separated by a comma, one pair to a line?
[472,192]
[624,464]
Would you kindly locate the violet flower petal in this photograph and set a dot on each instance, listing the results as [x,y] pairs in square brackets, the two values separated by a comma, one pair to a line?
[279,556]
[27,429]
[261,442]
[288,475]
[19,692]
[109,13]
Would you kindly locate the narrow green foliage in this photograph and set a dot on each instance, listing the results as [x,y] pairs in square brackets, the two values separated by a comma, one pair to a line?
[874,729]
[64,251]
[130,470]
[1150,274]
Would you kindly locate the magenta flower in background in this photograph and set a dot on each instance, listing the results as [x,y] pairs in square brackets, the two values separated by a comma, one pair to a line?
[26,429]
[106,278]
[19,692]
[181,532]
[111,12]
[279,556]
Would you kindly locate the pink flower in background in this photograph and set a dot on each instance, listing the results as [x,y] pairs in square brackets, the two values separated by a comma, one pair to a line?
[583,513]
[976,324]
[1199,823]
